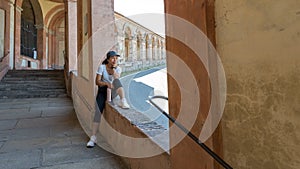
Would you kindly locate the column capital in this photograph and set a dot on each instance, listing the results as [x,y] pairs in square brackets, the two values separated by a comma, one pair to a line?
[39,26]
[11,1]
[19,9]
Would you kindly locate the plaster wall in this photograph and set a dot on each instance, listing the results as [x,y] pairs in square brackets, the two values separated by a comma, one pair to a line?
[258,42]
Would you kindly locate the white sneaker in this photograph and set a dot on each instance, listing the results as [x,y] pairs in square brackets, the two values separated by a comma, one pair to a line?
[92,142]
[123,104]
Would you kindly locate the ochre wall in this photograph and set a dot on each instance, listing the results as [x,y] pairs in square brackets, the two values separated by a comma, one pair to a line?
[258,42]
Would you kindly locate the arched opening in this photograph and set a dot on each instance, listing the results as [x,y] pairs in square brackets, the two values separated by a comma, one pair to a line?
[30,34]
[28,30]
[56,54]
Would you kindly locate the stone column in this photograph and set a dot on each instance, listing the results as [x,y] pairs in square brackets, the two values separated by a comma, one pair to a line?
[17,36]
[133,49]
[143,49]
[71,35]
[164,50]
[12,39]
[51,44]
[149,49]
[159,51]
[154,48]
[41,45]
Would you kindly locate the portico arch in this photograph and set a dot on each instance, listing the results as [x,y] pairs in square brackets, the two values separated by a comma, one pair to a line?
[56,36]
[39,26]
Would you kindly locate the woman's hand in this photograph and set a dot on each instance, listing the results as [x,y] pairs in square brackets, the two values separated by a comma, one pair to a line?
[115,74]
[110,85]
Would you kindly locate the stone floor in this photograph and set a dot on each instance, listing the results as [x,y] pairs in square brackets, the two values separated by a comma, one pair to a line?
[44,133]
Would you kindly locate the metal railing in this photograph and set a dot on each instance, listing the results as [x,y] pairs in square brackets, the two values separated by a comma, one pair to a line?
[191,135]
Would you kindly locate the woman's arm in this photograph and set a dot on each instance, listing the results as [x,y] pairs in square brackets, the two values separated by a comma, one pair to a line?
[99,82]
[117,72]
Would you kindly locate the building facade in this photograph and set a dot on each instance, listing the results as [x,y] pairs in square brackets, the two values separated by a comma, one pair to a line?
[138,46]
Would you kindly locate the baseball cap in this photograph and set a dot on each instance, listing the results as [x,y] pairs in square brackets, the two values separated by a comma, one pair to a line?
[112,53]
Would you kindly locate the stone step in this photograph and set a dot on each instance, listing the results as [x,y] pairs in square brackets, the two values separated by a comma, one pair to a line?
[28,72]
[33,84]
[45,85]
[25,78]
[45,82]
[33,95]
[20,103]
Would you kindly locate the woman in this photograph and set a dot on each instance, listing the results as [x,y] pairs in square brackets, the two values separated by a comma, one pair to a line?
[108,75]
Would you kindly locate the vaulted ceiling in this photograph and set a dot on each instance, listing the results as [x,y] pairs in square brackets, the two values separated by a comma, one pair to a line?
[59,1]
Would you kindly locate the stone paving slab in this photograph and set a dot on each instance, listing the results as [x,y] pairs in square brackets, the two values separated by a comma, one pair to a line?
[61,155]
[96,163]
[66,130]
[4,136]
[60,104]
[26,105]
[28,100]
[20,160]
[18,114]
[45,133]
[25,133]
[79,139]
[45,122]
[36,143]
[7,124]
[1,144]
[57,111]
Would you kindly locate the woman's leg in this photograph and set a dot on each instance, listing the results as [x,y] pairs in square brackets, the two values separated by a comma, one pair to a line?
[118,90]
[95,128]
[100,99]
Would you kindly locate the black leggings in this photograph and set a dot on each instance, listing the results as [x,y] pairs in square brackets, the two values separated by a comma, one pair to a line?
[101,98]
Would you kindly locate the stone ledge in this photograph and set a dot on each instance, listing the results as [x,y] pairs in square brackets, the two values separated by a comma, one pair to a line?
[137,125]
[156,132]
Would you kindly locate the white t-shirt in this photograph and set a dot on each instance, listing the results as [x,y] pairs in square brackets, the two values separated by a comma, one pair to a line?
[105,76]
